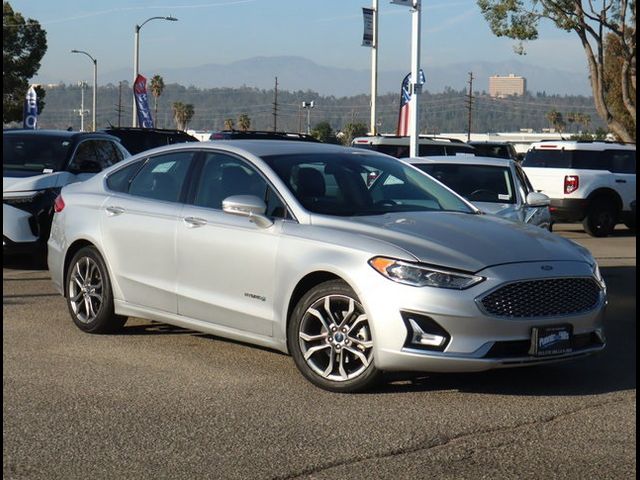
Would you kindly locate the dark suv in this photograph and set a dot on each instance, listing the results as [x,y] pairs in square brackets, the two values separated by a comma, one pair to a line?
[36,164]
[138,140]
[495,150]
[261,135]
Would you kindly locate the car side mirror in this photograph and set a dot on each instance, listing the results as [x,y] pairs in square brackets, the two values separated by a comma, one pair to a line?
[248,206]
[537,199]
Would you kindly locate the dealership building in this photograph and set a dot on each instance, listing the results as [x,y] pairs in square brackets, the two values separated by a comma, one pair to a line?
[505,86]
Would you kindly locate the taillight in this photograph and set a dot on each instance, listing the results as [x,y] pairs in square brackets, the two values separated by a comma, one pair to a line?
[571,183]
[58,204]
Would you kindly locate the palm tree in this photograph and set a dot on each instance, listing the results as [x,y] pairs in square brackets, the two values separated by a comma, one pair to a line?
[182,114]
[229,124]
[157,87]
[244,122]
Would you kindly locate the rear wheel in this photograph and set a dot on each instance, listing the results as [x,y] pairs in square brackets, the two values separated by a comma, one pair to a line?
[330,339]
[89,295]
[601,219]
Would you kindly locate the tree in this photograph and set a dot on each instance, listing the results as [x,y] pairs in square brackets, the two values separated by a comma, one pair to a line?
[519,19]
[353,130]
[157,87]
[612,72]
[324,133]
[244,122]
[555,120]
[182,114]
[229,124]
[24,43]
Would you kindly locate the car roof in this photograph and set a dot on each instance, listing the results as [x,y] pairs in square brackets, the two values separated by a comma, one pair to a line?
[403,141]
[581,145]
[284,147]
[462,159]
[56,133]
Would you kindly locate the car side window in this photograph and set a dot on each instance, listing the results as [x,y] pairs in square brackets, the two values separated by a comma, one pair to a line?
[622,161]
[85,158]
[224,175]
[524,182]
[119,180]
[107,153]
[162,177]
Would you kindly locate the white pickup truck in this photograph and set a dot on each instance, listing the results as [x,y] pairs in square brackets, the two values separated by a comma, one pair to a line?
[591,182]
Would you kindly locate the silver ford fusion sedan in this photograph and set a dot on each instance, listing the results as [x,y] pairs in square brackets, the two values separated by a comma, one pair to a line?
[282,244]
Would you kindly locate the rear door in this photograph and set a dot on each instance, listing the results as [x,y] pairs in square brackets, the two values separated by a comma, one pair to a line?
[139,227]
[623,167]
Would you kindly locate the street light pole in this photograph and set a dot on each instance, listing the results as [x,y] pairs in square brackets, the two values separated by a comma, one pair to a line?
[136,59]
[308,106]
[374,70]
[416,85]
[95,86]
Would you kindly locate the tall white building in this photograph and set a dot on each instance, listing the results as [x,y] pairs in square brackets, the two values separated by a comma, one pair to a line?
[504,86]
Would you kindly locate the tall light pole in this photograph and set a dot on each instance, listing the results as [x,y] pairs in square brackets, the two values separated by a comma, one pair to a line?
[416,85]
[374,70]
[308,106]
[95,86]
[136,59]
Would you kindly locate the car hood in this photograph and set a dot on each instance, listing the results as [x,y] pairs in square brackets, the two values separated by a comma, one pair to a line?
[461,241]
[39,181]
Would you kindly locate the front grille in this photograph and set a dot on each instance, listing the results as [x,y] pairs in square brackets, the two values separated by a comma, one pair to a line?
[543,298]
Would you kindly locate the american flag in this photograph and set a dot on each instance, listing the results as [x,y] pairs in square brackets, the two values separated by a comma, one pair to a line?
[405,98]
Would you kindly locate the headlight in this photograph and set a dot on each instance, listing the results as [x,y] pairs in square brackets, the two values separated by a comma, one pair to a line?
[422,275]
[598,275]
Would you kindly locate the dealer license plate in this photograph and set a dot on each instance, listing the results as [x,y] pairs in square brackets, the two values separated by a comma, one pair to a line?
[552,340]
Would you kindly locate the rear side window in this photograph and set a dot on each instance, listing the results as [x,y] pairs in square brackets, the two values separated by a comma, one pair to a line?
[162,177]
[548,159]
[622,161]
[119,181]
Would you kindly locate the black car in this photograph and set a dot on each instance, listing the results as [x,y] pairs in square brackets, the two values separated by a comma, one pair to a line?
[261,135]
[36,164]
[137,140]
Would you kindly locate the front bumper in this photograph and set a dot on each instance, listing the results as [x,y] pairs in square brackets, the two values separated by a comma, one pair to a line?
[477,340]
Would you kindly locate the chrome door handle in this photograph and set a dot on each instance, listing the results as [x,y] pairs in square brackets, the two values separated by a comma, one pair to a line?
[113,211]
[193,222]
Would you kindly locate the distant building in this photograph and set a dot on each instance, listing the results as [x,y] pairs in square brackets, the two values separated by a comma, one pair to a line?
[501,86]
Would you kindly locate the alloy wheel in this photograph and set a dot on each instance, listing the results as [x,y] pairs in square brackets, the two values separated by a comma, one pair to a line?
[86,290]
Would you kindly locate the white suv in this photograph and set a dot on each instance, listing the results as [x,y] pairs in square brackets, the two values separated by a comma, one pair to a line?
[591,182]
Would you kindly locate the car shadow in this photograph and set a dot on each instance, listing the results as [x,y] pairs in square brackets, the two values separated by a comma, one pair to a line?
[24,262]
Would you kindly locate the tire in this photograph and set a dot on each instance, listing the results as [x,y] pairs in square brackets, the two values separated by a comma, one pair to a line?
[89,295]
[331,329]
[601,219]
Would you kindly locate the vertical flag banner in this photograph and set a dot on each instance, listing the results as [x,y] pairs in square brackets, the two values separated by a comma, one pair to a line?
[367,36]
[404,3]
[405,97]
[142,102]
[30,112]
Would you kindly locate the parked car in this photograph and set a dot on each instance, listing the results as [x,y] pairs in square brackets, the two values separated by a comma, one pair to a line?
[137,140]
[495,149]
[36,164]
[261,135]
[281,244]
[427,145]
[494,185]
[589,182]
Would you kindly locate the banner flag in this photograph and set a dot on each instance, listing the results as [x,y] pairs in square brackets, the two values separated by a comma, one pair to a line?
[405,3]
[405,97]
[30,111]
[142,102]
[367,36]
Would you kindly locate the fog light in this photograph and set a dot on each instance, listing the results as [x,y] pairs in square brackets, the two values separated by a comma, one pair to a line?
[424,333]
[424,338]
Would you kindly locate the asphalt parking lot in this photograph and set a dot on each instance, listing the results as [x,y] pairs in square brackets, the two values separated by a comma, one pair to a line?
[162,402]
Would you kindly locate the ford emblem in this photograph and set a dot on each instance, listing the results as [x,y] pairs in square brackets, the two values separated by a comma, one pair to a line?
[547,267]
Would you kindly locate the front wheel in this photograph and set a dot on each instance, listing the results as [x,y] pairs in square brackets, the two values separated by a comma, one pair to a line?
[89,295]
[601,219]
[331,341]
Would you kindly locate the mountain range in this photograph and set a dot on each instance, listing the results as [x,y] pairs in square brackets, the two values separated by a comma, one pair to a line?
[299,73]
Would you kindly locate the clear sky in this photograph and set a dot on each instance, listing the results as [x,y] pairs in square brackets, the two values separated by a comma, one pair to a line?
[328,32]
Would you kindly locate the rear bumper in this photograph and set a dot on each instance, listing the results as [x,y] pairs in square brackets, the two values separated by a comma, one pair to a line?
[568,209]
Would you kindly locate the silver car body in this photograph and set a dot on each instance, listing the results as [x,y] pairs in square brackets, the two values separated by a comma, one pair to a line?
[518,208]
[210,271]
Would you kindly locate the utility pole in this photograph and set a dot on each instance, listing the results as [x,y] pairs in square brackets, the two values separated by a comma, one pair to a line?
[82,112]
[275,107]
[416,86]
[308,106]
[470,104]
[119,105]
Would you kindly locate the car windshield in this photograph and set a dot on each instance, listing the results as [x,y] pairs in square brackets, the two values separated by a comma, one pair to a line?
[349,184]
[34,153]
[477,183]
